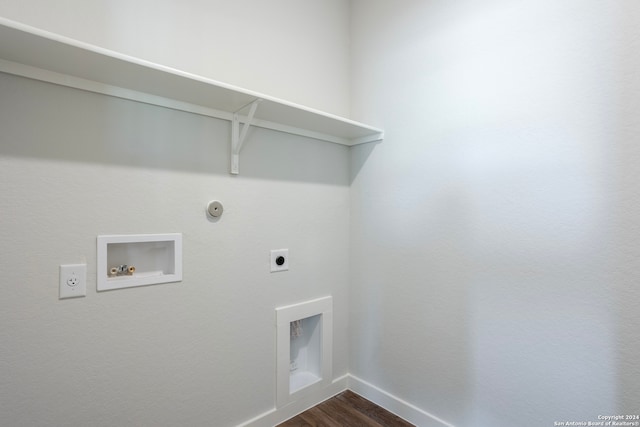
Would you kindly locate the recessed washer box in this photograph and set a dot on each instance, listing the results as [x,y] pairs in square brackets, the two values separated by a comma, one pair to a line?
[155,258]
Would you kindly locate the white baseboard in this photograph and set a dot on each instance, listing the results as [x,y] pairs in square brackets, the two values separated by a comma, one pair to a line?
[394,404]
[278,415]
[391,403]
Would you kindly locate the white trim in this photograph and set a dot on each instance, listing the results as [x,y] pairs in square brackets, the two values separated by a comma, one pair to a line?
[384,399]
[366,139]
[276,416]
[394,404]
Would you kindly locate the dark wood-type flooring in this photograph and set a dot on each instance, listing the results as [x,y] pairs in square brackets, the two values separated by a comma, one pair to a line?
[347,409]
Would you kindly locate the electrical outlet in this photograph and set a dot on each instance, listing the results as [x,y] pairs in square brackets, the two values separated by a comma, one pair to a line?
[73,280]
[279,260]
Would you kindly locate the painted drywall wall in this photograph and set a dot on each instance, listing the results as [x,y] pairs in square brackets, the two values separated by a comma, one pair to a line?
[75,165]
[495,231]
[290,49]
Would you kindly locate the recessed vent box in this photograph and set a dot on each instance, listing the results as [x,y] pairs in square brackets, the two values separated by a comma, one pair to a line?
[304,348]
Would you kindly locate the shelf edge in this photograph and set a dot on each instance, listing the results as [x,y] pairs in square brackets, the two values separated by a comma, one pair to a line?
[46,75]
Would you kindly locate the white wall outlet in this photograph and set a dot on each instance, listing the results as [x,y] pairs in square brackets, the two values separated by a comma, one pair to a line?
[73,280]
[279,260]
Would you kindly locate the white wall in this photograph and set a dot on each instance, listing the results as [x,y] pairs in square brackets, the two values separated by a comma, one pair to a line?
[495,231]
[290,49]
[74,165]
[494,237]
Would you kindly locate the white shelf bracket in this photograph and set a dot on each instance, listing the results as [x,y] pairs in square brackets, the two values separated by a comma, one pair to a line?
[238,136]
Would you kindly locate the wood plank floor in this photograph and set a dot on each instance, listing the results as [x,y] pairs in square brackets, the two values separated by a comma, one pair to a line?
[347,409]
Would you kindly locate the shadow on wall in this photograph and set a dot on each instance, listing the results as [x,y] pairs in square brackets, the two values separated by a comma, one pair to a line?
[359,155]
[42,120]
